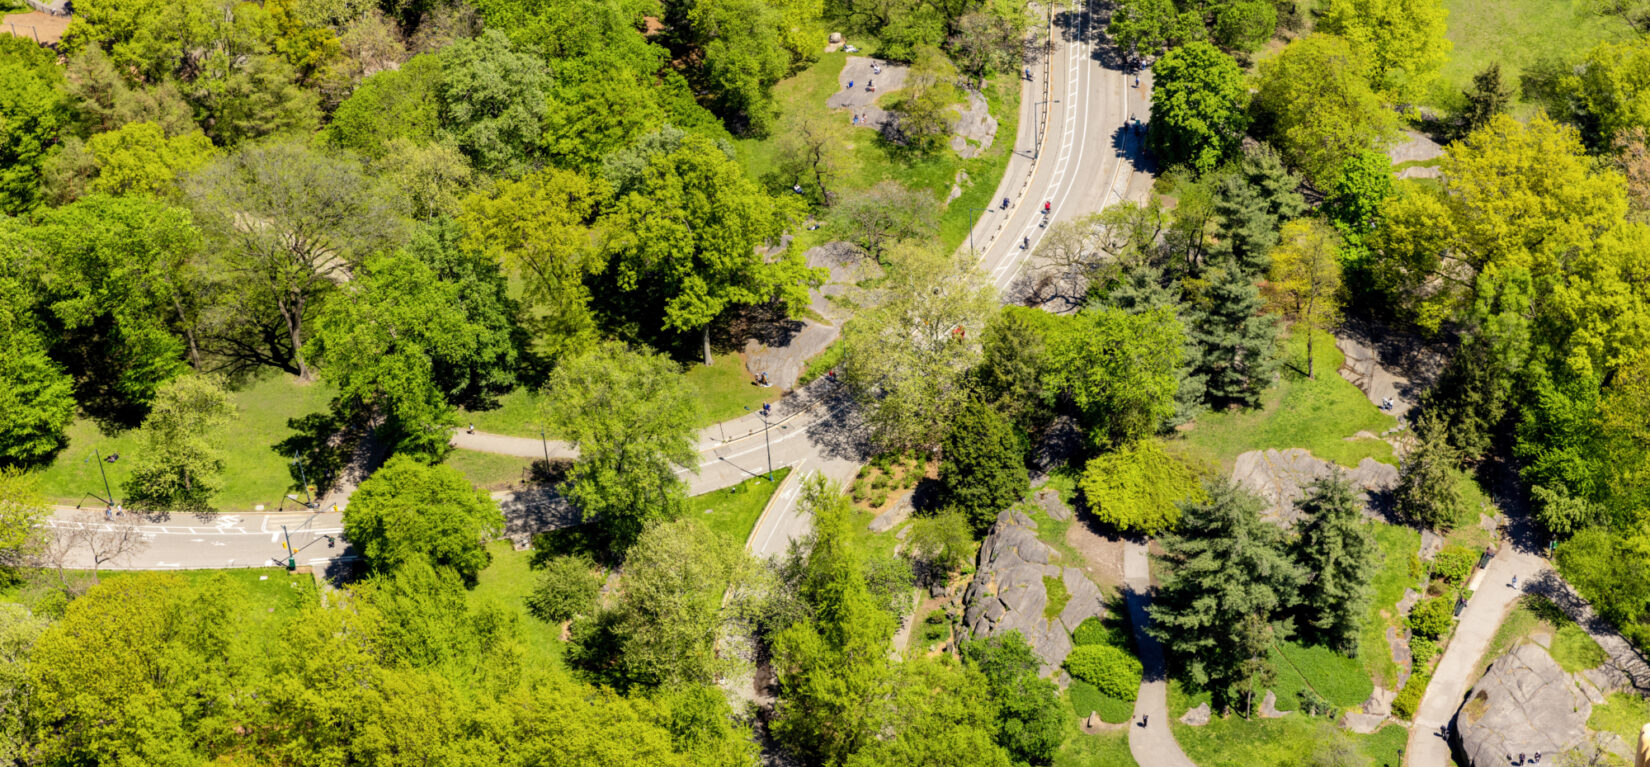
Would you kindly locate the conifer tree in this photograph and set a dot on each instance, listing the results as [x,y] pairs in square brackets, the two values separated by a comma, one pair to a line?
[982,466]
[1251,203]
[1337,552]
[1234,340]
[1226,565]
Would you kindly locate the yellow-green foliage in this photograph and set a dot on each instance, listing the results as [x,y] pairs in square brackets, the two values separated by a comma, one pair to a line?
[1138,487]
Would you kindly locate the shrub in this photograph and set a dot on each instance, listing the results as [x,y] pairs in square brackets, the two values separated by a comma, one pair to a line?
[1313,704]
[1404,704]
[1139,487]
[1113,671]
[1423,650]
[1090,631]
[566,588]
[1453,564]
[1432,617]
[879,498]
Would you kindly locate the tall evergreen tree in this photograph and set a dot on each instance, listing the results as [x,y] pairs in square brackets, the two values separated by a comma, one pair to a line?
[1226,566]
[1426,492]
[1251,203]
[982,465]
[1488,97]
[1234,341]
[1337,552]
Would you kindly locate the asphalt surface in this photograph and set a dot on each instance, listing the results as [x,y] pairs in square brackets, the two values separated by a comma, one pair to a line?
[1074,151]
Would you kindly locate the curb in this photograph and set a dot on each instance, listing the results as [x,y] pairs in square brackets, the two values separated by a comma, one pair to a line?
[778,491]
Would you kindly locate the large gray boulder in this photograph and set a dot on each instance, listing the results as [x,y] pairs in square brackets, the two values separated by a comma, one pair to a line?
[1008,592]
[1281,476]
[1524,704]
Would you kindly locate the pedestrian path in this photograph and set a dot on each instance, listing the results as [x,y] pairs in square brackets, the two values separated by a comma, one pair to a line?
[1150,740]
[1479,622]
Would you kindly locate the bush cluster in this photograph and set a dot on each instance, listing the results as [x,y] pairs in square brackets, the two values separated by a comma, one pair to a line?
[1113,671]
[1409,698]
[1454,564]
[566,588]
[1431,617]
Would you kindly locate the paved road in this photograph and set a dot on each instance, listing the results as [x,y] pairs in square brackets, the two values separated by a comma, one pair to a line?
[238,540]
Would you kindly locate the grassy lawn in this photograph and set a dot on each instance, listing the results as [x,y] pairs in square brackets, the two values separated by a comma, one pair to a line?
[1107,749]
[1623,715]
[869,161]
[1571,647]
[489,471]
[1237,742]
[1517,33]
[1397,545]
[1339,679]
[253,472]
[725,390]
[506,583]
[1085,698]
[1317,414]
[1474,501]
[732,511]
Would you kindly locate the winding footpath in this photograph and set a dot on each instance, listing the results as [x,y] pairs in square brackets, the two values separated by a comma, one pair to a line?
[1150,739]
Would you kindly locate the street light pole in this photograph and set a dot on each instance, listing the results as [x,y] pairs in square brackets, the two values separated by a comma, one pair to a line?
[109,494]
[765,443]
[309,501]
[972,214]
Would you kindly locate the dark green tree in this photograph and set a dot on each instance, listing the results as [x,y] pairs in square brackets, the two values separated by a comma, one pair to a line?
[1364,186]
[1471,399]
[982,465]
[492,101]
[1488,97]
[1251,204]
[1226,566]
[1233,339]
[1426,492]
[1014,357]
[409,511]
[36,394]
[32,112]
[1337,552]
[1199,107]
[567,587]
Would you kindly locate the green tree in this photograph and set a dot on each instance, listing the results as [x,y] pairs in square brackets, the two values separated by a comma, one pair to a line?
[922,108]
[566,588]
[23,511]
[741,55]
[539,226]
[1234,341]
[1306,278]
[1226,566]
[1338,549]
[1138,487]
[492,101]
[884,215]
[834,673]
[408,511]
[180,465]
[320,216]
[940,714]
[1315,105]
[140,159]
[1251,203]
[631,416]
[1360,193]
[399,341]
[1401,42]
[1118,369]
[1488,97]
[391,104]
[36,399]
[990,40]
[687,243]
[1245,25]
[1199,107]
[32,112]
[1030,715]
[945,541]
[982,465]
[907,359]
[1013,361]
[1427,491]
[19,631]
[249,97]
[1605,92]
[670,608]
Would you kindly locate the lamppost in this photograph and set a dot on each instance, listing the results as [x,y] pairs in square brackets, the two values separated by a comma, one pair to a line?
[766,408]
[108,497]
[973,213]
[309,501]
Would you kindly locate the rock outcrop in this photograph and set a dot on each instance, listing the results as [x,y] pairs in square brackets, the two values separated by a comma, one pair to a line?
[1281,477]
[1008,592]
[1524,704]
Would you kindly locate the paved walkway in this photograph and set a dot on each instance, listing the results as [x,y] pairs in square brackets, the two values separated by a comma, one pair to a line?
[1624,661]
[1459,664]
[1152,745]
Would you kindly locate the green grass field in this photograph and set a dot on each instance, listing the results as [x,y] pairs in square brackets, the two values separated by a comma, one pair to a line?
[732,511]
[1340,680]
[1085,698]
[1237,742]
[253,472]
[1623,715]
[489,471]
[869,161]
[1517,33]
[1317,414]
[1397,545]
[1106,749]
[506,583]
